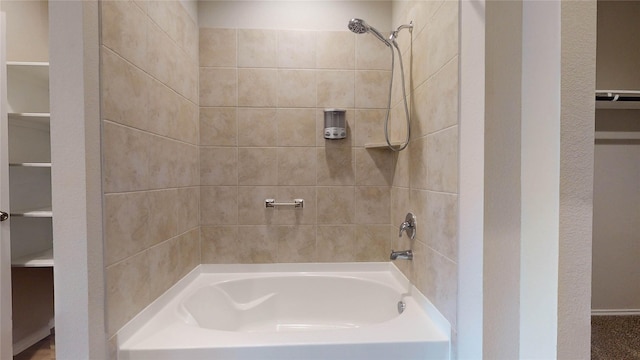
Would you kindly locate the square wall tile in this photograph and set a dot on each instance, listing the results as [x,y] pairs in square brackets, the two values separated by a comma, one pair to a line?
[369,126]
[336,243]
[372,54]
[219,205]
[296,127]
[442,220]
[296,244]
[335,89]
[218,47]
[296,49]
[125,90]
[220,245]
[371,243]
[126,164]
[163,223]
[188,209]
[372,204]
[163,162]
[218,166]
[125,226]
[258,244]
[335,50]
[164,264]
[418,153]
[336,204]
[257,166]
[189,246]
[218,87]
[257,48]
[374,167]
[442,157]
[257,87]
[336,166]
[251,205]
[372,89]
[297,166]
[127,290]
[257,127]
[218,126]
[297,88]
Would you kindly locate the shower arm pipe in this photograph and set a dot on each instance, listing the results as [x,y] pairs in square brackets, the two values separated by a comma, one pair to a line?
[404,95]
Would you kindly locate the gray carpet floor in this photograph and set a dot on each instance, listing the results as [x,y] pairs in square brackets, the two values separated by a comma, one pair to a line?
[615,337]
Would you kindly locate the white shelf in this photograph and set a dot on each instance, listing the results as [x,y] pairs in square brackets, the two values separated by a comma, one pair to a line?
[39,117]
[32,164]
[618,104]
[39,259]
[382,145]
[40,213]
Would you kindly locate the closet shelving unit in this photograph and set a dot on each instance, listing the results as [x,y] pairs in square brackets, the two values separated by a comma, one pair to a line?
[30,164]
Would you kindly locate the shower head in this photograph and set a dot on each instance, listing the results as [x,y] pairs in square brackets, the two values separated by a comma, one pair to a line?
[359,26]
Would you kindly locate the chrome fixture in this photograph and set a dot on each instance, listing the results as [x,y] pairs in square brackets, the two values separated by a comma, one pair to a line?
[401,306]
[359,26]
[409,225]
[402,255]
[271,203]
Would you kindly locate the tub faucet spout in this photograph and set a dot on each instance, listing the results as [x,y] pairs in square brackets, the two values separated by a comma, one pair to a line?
[403,255]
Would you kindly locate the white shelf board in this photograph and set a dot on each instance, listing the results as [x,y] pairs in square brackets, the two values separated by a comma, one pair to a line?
[43,212]
[39,259]
[32,164]
[27,63]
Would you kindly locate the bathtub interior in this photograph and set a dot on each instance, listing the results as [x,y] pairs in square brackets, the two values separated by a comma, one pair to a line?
[254,320]
[290,303]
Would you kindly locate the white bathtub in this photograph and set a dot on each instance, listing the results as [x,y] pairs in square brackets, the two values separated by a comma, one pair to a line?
[288,311]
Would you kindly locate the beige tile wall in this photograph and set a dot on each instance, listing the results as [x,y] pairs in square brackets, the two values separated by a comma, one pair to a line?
[262,95]
[149,76]
[426,175]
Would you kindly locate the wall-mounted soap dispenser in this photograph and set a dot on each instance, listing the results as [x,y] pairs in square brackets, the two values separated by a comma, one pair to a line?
[335,125]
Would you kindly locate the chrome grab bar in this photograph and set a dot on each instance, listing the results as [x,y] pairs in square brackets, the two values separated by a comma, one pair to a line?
[271,203]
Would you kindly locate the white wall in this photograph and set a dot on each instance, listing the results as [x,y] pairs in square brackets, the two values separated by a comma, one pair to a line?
[512,249]
[540,179]
[503,86]
[471,179]
[76,180]
[293,15]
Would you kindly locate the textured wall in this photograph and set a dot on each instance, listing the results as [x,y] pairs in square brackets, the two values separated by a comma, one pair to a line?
[149,77]
[426,174]
[262,95]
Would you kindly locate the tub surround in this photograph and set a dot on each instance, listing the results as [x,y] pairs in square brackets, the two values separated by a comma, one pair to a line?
[149,77]
[425,177]
[262,96]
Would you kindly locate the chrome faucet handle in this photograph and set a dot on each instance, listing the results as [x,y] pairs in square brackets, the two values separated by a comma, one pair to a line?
[409,225]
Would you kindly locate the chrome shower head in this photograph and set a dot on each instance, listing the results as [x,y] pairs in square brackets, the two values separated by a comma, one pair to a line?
[359,26]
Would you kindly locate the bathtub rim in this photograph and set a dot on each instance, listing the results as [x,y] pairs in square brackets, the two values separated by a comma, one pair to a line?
[145,315]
